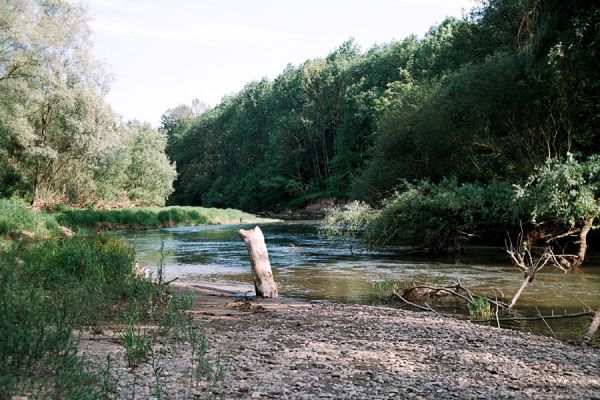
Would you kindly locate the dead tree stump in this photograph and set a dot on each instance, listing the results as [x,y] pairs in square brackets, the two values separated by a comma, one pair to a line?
[264,284]
[587,338]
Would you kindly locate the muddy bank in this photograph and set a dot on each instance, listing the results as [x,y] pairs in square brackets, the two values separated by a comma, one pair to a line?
[301,350]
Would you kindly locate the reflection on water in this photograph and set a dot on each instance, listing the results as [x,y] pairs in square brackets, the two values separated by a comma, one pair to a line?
[308,266]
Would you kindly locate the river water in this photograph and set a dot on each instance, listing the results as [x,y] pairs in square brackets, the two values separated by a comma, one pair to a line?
[308,266]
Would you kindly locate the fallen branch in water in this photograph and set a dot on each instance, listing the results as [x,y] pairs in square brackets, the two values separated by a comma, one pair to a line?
[427,307]
[538,318]
[544,320]
[171,281]
[454,290]
[410,303]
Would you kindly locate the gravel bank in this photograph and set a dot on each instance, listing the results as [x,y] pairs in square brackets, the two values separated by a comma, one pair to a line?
[304,350]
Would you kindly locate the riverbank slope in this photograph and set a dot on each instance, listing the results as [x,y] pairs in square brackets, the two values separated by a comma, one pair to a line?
[293,349]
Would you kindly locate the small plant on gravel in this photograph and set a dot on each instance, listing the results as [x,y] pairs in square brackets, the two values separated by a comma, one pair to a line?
[220,367]
[137,344]
[157,369]
[108,384]
[174,318]
[480,309]
[203,365]
[200,360]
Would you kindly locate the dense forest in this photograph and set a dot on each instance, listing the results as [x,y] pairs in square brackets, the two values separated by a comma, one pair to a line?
[487,99]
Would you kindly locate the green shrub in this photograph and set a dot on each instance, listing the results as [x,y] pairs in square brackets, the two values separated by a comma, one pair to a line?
[433,217]
[430,217]
[36,335]
[566,191]
[347,222]
[100,258]
[48,290]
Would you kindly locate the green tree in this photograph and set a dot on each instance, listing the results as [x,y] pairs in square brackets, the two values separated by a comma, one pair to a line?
[562,199]
[149,175]
[53,122]
[484,99]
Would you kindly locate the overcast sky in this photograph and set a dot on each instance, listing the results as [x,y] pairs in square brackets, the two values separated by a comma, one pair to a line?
[164,53]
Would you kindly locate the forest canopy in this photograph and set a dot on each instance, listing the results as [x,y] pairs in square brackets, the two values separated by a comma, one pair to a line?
[487,98]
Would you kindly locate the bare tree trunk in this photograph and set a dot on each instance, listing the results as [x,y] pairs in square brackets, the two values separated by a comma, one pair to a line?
[516,296]
[593,328]
[264,284]
[587,225]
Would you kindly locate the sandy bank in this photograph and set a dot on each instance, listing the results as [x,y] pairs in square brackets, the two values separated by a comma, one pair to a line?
[292,349]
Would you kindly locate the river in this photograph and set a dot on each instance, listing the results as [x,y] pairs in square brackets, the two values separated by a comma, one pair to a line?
[308,266]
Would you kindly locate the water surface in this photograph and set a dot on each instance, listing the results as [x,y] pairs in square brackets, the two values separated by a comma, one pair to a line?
[306,265]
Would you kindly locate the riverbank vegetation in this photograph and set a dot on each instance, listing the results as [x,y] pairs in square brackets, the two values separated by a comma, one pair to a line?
[56,289]
[152,217]
[484,100]
[440,127]
[556,207]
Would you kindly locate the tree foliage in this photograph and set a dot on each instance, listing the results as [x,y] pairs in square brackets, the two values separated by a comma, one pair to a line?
[565,192]
[433,217]
[59,141]
[484,99]
[148,174]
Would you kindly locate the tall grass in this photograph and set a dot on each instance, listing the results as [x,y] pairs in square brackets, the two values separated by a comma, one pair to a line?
[152,217]
[15,217]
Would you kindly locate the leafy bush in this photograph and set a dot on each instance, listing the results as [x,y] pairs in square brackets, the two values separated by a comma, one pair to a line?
[433,217]
[99,259]
[347,222]
[561,200]
[50,288]
[428,216]
[480,309]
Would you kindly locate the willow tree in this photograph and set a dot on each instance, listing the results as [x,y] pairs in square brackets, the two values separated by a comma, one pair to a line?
[53,122]
[149,174]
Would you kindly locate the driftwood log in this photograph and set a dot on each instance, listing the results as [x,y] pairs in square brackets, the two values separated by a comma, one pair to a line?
[264,284]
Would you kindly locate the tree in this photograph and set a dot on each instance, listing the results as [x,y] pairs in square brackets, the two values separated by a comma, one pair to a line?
[149,174]
[485,99]
[562,200]
[53,123]
[175,121]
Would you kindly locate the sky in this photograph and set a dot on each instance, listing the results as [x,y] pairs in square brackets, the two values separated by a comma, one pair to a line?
[165,53]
